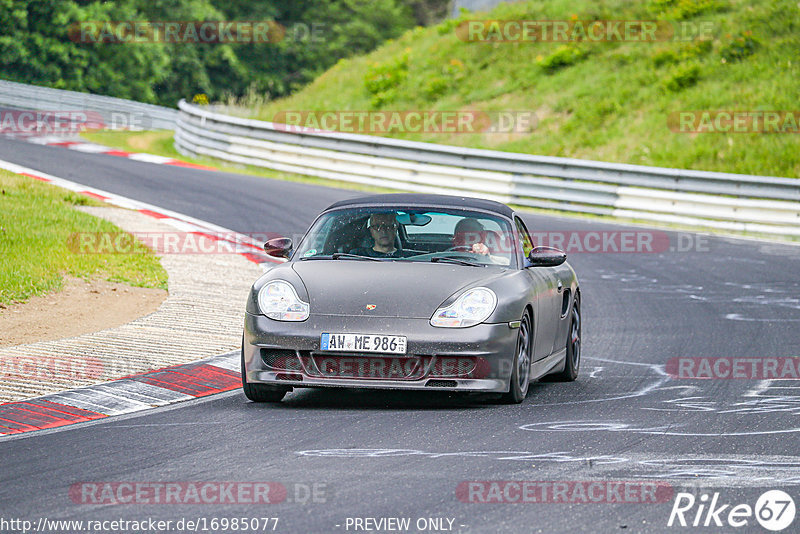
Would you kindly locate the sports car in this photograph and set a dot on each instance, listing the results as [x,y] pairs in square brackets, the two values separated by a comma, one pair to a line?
[413,292]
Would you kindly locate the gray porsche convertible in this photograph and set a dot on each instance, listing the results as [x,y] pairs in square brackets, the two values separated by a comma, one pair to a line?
[412,291]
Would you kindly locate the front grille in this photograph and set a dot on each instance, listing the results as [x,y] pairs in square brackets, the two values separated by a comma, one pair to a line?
[361,366]
[293,364]
[441,384]
[285,376]
[281,359]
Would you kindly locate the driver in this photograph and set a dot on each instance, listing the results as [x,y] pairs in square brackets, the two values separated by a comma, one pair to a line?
[383,229]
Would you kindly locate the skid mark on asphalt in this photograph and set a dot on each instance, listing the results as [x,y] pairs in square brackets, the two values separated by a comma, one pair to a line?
[659,394]
[717,469]
[618,426]
[685,397]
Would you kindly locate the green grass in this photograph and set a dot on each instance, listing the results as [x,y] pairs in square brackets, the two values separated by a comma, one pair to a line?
[158,142]
[607,101]
[36,222]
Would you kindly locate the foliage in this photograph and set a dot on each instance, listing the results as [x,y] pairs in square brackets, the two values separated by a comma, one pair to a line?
[41,44]
[613,104]
[682,76]
[740,47]
[683,9]
[383,79]
[687,52]
[563,56]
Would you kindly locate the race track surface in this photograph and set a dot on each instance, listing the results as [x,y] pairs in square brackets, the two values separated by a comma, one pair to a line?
[404,455]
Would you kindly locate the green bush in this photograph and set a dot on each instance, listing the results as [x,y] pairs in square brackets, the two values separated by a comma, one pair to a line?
[682,76]
[436,87]
[740,47]
[685,53]
[683,9]
[665,56]
[563,56]
[695,49]
[382,80]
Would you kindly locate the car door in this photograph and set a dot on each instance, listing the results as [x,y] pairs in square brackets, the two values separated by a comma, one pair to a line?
[548,296]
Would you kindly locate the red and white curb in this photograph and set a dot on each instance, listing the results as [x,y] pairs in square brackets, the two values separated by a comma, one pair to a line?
[148,390]
[124,396]
[93,148]
[235,242]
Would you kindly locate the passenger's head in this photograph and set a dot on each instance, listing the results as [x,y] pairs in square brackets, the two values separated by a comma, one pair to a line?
[467,232]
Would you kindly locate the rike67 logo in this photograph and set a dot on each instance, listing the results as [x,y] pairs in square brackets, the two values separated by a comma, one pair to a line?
[774,510]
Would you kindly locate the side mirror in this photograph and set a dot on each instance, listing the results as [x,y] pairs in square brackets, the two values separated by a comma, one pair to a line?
[546,257]
[279,247]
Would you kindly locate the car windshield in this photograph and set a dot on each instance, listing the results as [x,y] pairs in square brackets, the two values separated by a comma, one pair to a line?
[441,235]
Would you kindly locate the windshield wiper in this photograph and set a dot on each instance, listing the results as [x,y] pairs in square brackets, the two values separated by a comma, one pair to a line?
[459,261]
[345,255]
[340,255]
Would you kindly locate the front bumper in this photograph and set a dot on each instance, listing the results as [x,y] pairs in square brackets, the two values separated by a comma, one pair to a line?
[433,350]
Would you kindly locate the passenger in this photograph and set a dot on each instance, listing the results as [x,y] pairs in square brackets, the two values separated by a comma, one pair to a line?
[470,235]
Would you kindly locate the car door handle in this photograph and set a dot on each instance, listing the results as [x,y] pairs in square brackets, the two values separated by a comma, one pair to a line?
[560,286]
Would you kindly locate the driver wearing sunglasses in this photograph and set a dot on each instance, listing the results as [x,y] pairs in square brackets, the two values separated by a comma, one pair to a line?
[383,229]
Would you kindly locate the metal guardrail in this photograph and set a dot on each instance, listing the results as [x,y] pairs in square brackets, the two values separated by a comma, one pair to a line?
[115,112]
[761,204]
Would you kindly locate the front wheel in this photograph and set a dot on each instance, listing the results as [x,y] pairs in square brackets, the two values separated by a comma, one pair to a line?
[260,392]
[521,372]
[573,357]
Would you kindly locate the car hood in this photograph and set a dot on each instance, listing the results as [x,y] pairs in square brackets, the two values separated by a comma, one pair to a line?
[396,289]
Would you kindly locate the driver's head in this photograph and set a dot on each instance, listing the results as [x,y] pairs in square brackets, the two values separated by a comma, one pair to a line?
[383,228]
[468,231]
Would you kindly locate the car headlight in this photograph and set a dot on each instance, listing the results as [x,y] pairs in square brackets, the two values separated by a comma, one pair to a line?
[472,307]
[278,300]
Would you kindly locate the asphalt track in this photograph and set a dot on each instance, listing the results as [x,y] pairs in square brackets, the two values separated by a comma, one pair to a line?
[403,455]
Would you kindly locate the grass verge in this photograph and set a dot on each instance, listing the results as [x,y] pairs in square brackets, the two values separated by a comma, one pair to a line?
[36,222]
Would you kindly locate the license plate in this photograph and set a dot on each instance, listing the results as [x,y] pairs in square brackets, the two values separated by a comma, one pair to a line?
[363,343]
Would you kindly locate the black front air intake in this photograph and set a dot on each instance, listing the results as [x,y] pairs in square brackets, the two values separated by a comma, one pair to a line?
[441,384]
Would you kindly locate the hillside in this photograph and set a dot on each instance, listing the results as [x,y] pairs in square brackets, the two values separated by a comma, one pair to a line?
[606,100]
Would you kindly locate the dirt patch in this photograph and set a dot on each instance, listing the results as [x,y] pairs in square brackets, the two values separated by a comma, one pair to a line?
[144,142]
[79,308]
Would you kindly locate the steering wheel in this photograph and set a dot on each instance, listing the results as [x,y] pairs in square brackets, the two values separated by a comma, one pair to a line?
[460,248]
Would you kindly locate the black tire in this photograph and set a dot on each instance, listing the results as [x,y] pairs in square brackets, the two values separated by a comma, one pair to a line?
[261,392]
[573,358]
[521,371]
